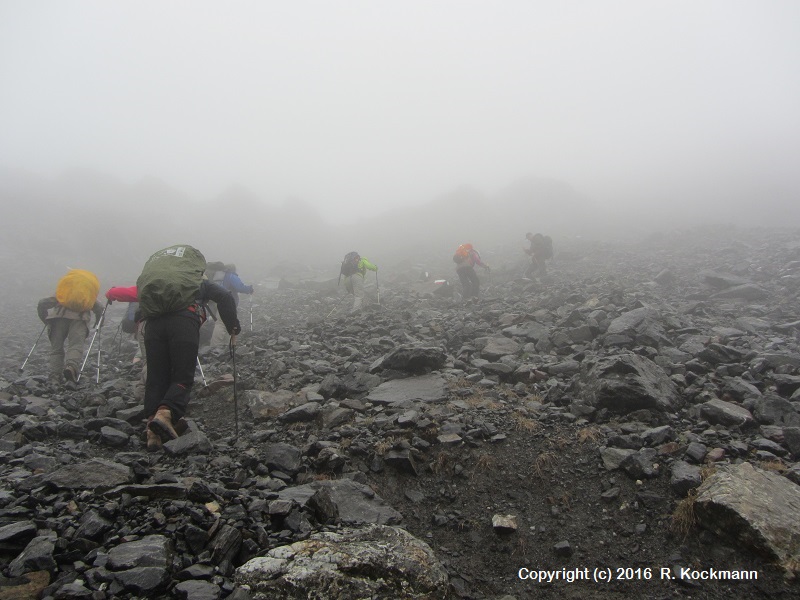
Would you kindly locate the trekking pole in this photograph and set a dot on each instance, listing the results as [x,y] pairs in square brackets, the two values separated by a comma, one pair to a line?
[232,348]
[32,349]
[114,339]
[203,375]
[99,349]
[251,313]
[100,322]
[338,304]
[377,285]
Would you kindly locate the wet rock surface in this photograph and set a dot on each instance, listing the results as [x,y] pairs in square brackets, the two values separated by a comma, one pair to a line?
[428,448]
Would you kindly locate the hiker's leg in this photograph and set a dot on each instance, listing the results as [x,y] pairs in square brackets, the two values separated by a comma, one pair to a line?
[358,291]
[76,338]
[184,340]
[139,385]
[466,283]
[474,281]
[159,366]
[57,331]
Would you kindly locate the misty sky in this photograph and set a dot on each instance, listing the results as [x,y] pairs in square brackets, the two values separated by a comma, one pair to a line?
[373,105]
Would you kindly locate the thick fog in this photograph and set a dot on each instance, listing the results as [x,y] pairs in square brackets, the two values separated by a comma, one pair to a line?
[270,132]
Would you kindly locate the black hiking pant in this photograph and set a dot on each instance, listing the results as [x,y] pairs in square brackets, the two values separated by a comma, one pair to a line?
[171,342]
[469,281]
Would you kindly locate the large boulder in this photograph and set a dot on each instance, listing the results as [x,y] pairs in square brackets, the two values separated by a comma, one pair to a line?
[626,383]
[753,507]
[375,562]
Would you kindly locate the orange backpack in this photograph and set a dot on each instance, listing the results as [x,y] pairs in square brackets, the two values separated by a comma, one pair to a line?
[462,253]
[78,290]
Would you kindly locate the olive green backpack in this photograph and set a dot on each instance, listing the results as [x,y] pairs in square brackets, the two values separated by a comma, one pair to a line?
[170,280]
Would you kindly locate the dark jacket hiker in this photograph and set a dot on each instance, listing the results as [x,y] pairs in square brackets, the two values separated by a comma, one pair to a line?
[172,335]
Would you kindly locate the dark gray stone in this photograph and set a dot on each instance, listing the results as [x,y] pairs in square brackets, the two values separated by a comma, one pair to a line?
[685,477]
[282,457]
[197,590]
[301,414]
[628,382]
[719,412]
[150,551]
[774,410]
[191,442]
[426,388]
[411,359]
[37,556]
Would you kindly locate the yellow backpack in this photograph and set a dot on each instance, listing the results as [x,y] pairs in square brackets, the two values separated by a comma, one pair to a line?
[77,290]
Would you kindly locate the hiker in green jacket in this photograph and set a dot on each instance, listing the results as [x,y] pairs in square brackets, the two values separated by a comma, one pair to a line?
[354,268]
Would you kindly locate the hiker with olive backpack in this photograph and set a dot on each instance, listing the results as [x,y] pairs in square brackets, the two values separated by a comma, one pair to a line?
[67,316]
[173,293]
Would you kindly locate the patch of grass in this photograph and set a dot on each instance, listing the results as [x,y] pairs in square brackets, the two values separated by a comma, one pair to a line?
[384,445]
[543,463]
[526,424]
[485,462]
[564,500]
[461,383]
[560,442]
[441,462]
[589,434]
[521,549]
[775,466]
[684,518]
[707,471]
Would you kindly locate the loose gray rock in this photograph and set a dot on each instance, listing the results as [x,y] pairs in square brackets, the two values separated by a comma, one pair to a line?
[150,551]
[357,503]
[629,382]
[37,556]
[267,405]
[353,563]
[191,442]
[426,388]
[411,359]
[747,505]
[685,477]
[719,412]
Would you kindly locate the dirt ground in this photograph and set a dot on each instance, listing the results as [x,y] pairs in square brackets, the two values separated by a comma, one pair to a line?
[550,477]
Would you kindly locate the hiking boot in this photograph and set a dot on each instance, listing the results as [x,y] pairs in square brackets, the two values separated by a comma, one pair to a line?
[154,443]
[161,424]
[70,373]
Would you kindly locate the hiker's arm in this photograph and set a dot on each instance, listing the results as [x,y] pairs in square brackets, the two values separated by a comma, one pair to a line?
[225,305]
[97,309]
[239,286]
[45,304]
[368,265]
